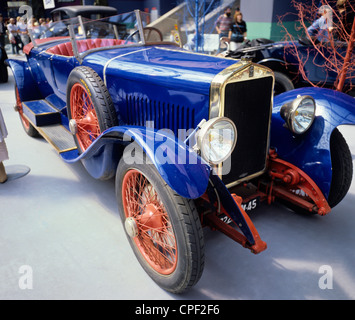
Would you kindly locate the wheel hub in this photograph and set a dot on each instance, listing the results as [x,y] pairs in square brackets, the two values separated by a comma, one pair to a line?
[131,227]
[73,127]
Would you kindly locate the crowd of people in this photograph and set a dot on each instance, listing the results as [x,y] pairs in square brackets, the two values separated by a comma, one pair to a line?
[17,31]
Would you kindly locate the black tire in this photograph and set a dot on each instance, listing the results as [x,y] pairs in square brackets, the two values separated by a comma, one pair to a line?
[342,166]
[27,126]
[183,221]
[4,76]
[95,88]
[282,83]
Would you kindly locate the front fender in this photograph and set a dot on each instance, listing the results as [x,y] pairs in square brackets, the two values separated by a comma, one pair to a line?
[311,151]
[180,167]
[25,82]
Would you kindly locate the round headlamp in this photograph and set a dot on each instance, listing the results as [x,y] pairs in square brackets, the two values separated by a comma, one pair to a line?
[216,139]
[299,114]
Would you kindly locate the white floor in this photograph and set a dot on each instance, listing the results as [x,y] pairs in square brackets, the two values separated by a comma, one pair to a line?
[63,226]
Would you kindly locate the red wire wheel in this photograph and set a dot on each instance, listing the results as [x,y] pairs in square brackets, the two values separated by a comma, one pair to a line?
[90,107]
[149,223]
[163,228]
[84,114]
[28,127]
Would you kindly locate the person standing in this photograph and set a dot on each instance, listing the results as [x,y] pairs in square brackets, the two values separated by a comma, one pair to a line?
[238,32]
[2,32]
[321,28]
[224,23]
[14,37]
[25,39]
[3,149]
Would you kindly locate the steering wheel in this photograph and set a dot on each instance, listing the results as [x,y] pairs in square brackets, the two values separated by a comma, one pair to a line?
[149,32]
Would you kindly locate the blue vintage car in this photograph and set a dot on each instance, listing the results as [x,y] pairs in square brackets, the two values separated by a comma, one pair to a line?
[192,140]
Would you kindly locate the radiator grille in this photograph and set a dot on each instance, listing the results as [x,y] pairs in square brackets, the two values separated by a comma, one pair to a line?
[247,104]
[162,114]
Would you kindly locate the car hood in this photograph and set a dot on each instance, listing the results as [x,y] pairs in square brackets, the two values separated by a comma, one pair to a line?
[166,66]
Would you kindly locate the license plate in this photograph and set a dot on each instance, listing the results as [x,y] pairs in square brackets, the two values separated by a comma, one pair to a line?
[248,206]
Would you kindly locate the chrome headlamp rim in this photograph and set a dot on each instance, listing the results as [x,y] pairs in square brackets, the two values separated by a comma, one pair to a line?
[204,130]
[288,113]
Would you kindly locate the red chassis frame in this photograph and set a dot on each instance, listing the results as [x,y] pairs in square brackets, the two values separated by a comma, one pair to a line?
[284,181]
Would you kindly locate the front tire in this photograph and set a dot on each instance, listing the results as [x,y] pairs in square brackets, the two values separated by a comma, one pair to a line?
[163,229]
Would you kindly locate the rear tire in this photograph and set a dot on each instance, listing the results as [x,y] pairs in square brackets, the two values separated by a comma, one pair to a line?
[4,75]
[89,106]
[163,229]
[27,126]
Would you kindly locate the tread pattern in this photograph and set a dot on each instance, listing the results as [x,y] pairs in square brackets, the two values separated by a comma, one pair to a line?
[101,99]
[342,166]
[105,107]
[195,239]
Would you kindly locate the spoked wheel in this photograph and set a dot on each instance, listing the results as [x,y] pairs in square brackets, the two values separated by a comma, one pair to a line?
[27,126]
[91,110]
[164,229]
[148,223]
[86,125]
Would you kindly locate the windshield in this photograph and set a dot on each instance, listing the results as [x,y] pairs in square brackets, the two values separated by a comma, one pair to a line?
[47,32]
[132,28]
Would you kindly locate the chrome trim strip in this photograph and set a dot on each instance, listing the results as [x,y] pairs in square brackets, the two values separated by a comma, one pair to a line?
[119,56]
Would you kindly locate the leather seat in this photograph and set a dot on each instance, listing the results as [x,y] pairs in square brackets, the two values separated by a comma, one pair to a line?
[66,49]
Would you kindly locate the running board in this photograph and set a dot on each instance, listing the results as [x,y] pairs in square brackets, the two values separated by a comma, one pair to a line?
[58,136]
[41,113]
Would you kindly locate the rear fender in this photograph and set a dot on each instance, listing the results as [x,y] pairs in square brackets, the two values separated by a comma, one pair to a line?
[180,167]
[311,151]
[25,82]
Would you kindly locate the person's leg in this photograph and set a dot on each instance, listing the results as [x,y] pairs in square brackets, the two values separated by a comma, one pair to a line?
[3,175]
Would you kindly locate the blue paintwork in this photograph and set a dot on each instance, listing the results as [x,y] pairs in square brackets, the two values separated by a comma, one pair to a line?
[26,84]
[182,169]
[311,151]
[41,113]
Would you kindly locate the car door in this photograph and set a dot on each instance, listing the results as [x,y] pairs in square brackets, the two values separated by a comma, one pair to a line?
[61,68]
